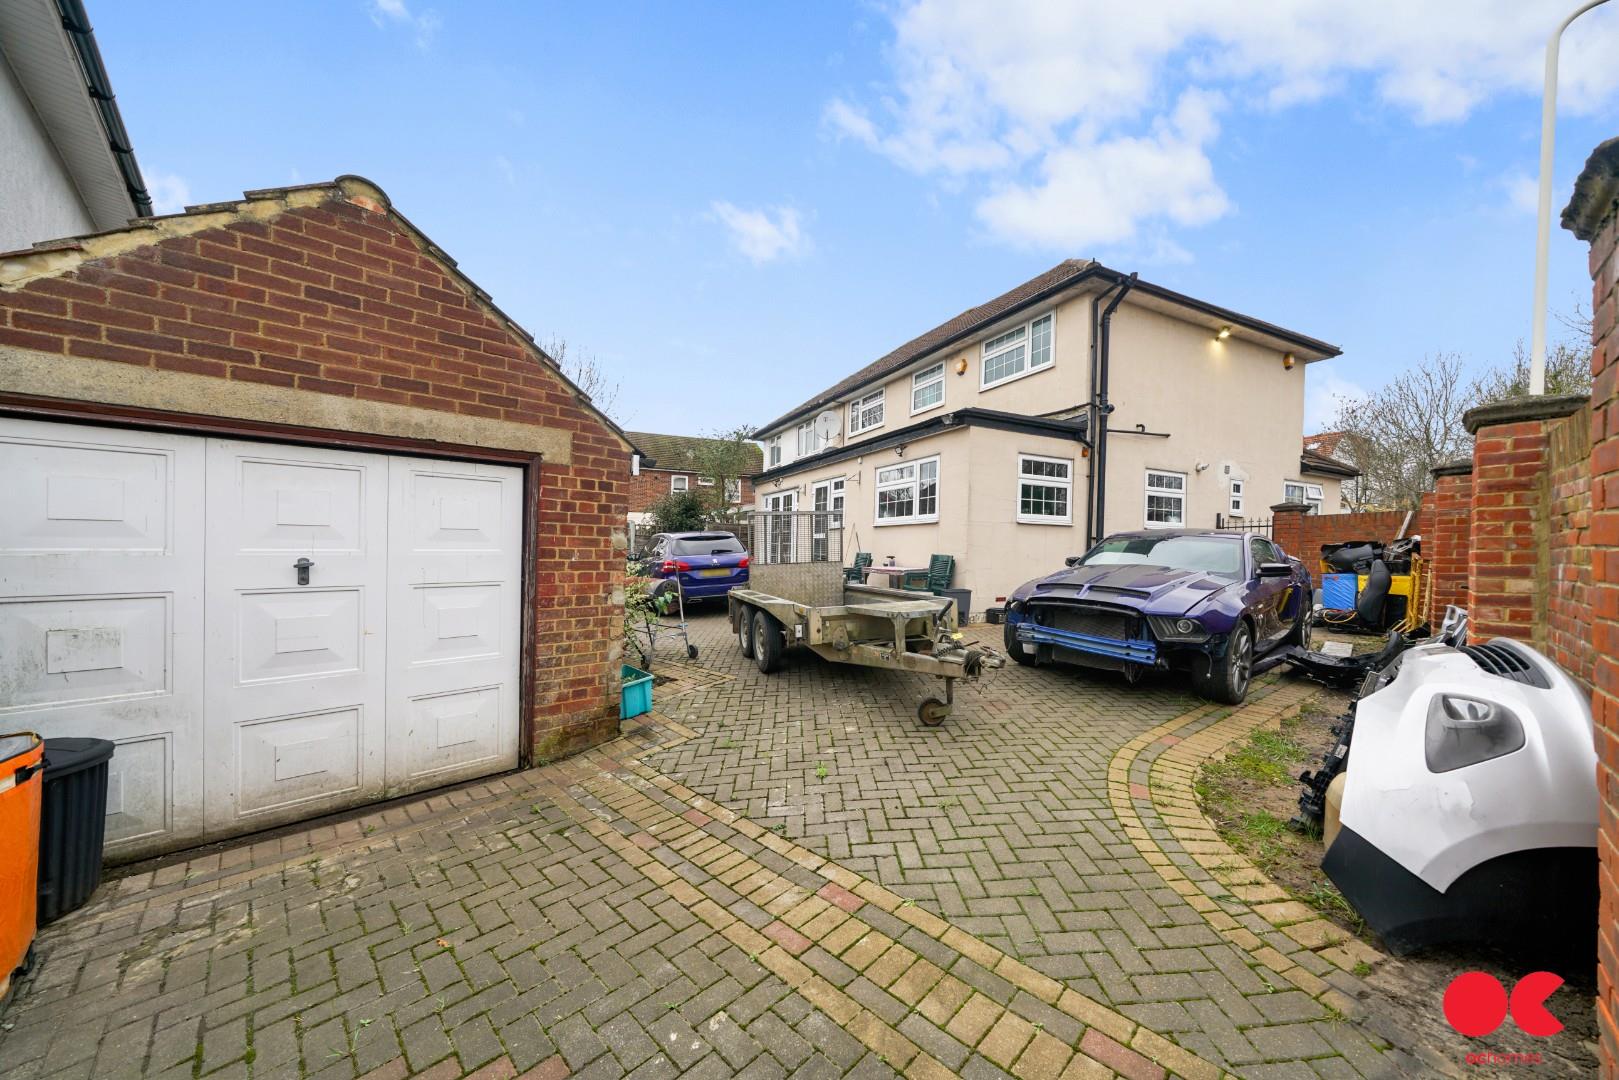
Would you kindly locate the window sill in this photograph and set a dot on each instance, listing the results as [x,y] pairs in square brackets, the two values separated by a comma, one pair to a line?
[1164,525]
[934,520]
[927,408]
[866,430]
[1024,374]
[1022,520]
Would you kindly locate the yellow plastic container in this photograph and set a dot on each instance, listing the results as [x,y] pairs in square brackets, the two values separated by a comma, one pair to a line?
[21,763]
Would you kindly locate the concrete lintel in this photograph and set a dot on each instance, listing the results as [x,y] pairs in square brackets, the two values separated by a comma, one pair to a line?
[71,378]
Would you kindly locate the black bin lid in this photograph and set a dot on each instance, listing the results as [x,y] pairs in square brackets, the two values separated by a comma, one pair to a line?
[65,756]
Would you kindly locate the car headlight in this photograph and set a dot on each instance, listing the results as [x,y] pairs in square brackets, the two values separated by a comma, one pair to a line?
[1171,628]
[1464,731]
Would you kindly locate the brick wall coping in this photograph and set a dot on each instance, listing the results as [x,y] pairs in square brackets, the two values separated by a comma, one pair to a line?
[1596,192]
[1520,409]
[1290,508]
[1459,467]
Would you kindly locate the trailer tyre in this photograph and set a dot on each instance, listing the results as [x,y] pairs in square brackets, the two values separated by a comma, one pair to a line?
[744,631]
[932,712]
[769,642]
[1014,647]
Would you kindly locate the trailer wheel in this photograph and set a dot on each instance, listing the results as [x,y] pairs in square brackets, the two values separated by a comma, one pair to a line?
[932,712]
[744,631]
[768,642]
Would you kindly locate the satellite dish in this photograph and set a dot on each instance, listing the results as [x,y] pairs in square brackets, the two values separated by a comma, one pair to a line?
[828,424]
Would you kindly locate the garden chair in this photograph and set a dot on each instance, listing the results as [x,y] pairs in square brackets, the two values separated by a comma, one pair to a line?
[862,559]
[941,568]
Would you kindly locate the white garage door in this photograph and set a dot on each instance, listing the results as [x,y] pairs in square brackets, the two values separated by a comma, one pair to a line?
[268,632]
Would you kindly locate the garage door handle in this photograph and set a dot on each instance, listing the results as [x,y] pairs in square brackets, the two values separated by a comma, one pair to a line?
[302,566]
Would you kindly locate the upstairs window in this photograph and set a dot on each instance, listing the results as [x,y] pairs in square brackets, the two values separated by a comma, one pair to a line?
[1017,352]
[866,413]
[679,483]
[733,491]
[1236,497]
[927,388]
[775,451]
[1166,500]
[1043,490]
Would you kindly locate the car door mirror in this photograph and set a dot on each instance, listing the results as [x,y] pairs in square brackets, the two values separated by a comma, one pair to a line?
[1073,560]
[1275,569]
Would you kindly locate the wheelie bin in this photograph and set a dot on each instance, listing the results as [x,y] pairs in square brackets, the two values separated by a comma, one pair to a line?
[21,761]
[72,823]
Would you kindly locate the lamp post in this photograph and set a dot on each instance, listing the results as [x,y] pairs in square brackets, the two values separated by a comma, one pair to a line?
[1543,237]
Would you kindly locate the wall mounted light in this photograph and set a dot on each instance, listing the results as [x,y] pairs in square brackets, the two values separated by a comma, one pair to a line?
[961,365]
[1222,333]
[1288,360]
[899,451]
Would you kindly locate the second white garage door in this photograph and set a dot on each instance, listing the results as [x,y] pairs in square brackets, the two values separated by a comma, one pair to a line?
[270,632]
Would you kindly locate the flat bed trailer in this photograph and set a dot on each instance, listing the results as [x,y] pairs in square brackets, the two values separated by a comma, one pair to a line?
[872,627]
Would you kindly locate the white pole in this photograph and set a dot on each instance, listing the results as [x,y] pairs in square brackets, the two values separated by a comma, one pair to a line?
[1543,237]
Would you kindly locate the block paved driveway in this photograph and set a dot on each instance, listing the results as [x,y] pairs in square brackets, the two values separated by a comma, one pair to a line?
[787,876]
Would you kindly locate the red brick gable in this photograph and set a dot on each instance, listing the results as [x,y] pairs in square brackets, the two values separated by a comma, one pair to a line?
[327,290]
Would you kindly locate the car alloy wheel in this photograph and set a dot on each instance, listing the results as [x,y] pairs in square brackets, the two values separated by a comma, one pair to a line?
[1242,659]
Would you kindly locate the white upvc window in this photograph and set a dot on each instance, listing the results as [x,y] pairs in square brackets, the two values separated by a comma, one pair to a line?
[908,493]
[775,451]
[1236,497]
[1296,491]
[1044,490]
[927,388]
[705,481]
[733,491]
[809,439]
[679,483]
[1020,351]
[1166,499]
[866,413]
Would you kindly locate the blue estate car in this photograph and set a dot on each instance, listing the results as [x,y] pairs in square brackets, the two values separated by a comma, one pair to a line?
[705,564]
[1204,602]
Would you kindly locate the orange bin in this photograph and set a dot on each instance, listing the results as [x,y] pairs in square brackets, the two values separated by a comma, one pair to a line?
[21,762]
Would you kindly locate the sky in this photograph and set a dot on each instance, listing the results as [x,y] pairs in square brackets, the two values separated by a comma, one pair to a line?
[732,207]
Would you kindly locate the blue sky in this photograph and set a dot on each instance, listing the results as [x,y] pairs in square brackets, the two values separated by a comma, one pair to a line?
[733,207]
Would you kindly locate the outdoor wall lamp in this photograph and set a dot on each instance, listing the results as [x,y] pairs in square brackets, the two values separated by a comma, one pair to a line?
[961,365]
[899,451]
[1288,360]
[1222,333]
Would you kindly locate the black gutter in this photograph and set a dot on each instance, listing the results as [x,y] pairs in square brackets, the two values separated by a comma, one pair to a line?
[1103,409]
[77,25]
[961,418]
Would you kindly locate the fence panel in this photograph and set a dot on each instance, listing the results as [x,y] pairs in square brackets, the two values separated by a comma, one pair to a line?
[779,537]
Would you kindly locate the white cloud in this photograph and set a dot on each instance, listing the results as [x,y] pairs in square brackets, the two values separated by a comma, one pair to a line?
[1080,123]
[1324,392]
[1523,192]
[762,235]
[425,24]
[170,193]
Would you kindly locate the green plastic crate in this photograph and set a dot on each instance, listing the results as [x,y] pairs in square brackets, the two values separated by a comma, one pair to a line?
[635,695]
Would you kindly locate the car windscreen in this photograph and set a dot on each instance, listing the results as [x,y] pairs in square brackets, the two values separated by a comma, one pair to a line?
[706,545]
[1210,554]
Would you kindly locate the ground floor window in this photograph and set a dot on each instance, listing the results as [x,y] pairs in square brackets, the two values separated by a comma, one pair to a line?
[908,493]
[1043,490]
[1295,491]
[1236,497]
[1166,499]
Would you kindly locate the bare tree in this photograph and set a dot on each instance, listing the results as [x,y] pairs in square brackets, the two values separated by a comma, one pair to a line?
[585,371]
[1401,432]
[725,457]
[1568,365]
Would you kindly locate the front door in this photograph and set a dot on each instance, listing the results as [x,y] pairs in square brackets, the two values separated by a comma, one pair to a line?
[297,631]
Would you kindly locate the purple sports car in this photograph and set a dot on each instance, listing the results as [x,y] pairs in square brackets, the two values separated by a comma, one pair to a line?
[1205,602]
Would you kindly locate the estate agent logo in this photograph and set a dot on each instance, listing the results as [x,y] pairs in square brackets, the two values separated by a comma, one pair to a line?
[1476,1004]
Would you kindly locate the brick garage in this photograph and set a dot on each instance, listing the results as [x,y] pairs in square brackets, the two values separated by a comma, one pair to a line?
[1591,217]
[321,316]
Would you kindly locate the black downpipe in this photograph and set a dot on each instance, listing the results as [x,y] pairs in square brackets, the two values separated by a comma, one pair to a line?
[1103,408]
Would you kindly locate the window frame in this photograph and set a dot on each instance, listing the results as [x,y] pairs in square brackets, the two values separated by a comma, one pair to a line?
[679,482]
[1146,504]
[1237,497]
[775,451]
[1315,495]
[733,491]
[927,377]
[1029,367]
[1067,484]
[705,481]
[915,485]
[858,406]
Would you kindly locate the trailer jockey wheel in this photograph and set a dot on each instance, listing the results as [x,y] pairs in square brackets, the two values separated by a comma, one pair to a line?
[932,712]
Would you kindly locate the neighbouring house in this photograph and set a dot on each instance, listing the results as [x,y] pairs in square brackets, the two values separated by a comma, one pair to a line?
[1327,449]
[296,516]
[67,167]
[671,463]
[980,438]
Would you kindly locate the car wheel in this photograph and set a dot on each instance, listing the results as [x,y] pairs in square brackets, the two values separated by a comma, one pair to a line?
[1304,622]
[1227,680]
[1014,647]
[744,631]
[768,642]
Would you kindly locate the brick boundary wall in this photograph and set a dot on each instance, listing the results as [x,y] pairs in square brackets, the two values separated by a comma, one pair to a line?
[331,293]
[1447,548]
[1302,534]
[1564,607]
[1590,215]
